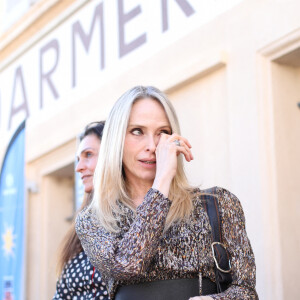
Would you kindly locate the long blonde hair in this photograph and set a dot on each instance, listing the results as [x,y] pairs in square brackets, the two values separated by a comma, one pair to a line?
[109,181]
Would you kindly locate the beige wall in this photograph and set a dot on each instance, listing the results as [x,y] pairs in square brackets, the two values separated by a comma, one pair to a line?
[33,21]
[286,79]
[202,108]
[235,85]
[50,206]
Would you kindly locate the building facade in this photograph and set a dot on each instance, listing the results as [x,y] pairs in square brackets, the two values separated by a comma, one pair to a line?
[231,69]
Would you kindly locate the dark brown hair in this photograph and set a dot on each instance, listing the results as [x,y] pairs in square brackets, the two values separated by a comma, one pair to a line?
[71,245]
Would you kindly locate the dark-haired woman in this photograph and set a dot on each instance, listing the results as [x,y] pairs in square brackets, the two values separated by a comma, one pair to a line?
[79,279]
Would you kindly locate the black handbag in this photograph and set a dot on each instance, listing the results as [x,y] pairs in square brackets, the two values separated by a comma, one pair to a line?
[179,289]
[220,254]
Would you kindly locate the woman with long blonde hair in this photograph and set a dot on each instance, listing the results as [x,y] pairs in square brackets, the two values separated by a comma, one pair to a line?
[146,229]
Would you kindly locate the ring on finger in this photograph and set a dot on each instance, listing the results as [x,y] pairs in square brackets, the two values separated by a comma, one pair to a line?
[177,142]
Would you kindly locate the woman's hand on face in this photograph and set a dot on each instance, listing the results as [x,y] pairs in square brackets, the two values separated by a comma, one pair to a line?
[167,151]
[201,298]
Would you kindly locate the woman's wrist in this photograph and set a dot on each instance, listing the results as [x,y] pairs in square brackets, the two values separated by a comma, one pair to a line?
[162,185]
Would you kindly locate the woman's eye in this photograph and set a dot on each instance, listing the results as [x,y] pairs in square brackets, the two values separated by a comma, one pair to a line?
[89,154]
[136,131]
[165,131]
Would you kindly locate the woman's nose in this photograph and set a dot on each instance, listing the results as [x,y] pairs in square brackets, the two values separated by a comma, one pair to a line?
[152,142]
[79,166]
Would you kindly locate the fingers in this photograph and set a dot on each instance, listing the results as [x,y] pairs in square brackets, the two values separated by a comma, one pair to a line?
[183,139]
[184,146]
[185,151]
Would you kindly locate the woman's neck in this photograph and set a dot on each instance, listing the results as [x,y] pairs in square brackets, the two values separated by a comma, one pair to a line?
[137,191]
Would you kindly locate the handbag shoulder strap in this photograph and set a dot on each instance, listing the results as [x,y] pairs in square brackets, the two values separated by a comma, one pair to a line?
[212,208]
[220,254]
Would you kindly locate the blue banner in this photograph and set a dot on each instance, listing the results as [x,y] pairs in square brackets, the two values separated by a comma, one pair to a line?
[12,219]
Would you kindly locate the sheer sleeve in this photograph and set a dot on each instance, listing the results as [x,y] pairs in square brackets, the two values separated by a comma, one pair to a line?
[239,247]
[125,257]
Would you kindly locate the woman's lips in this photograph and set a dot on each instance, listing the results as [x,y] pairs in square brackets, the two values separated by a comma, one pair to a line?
[148,163]
[86,177]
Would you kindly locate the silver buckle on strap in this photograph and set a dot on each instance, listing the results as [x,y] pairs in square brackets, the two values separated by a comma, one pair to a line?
[214,256]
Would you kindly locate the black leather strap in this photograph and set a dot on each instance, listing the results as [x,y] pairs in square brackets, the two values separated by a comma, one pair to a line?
[179,289]
[223,279]
[212,209]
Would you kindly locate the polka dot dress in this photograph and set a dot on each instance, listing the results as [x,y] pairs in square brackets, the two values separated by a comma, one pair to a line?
[77,281]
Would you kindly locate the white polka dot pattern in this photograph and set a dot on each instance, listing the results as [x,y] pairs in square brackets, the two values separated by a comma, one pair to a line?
[76,281]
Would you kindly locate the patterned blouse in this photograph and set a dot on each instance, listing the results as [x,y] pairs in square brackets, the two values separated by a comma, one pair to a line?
[142,252]
[80,281]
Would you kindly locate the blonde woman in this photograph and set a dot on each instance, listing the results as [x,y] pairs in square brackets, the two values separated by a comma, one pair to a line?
[146,229]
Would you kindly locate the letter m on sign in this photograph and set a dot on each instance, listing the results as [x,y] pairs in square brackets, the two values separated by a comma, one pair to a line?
[86,38]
